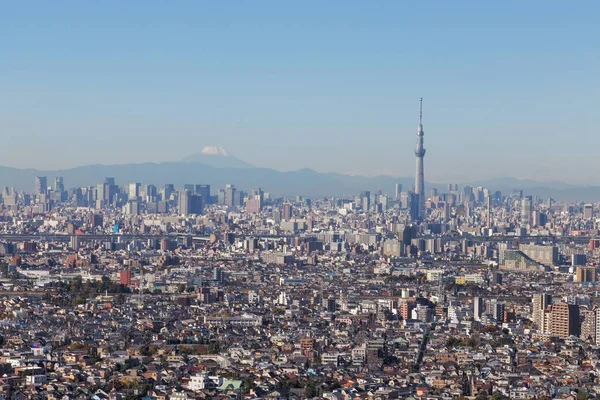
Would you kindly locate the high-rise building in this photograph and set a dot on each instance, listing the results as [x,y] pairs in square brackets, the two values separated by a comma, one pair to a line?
[204,191]
[489,212]
[190,203]
[526,211]
[588,211]
[230,195]
[59,185]
[477,308]
[40,185]
[546,255]
[420,173]
[413,205]
[286,212]
[564,320]
[585,274]
[578,259]
[184,200]
[398,191]
[134,190]
[167,191]
[497,310]
[125,278]
[540,301]
[253,206]
[588,325]
[365,201]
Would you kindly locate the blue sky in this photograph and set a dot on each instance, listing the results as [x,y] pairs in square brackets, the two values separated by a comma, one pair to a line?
[510,88]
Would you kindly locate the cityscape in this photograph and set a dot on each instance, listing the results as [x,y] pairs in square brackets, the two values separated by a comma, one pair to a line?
[125,275]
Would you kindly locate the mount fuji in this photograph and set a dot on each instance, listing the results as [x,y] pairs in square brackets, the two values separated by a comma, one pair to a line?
[216,157]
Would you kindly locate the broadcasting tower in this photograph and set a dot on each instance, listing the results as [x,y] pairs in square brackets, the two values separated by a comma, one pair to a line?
[420,174]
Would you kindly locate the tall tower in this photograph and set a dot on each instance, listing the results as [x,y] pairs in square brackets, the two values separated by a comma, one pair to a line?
[420,153]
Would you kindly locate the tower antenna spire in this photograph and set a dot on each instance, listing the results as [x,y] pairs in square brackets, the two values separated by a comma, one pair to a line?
[421,111]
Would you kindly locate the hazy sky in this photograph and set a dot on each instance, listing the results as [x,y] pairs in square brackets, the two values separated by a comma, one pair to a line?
[510,88]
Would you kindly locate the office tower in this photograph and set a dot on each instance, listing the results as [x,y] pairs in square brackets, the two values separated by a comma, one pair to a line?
[446,211]
[588,211]
[109,181]
[578,259]
[535,218]
[420,173]
[190,203]
[110,192]
[540,301]
[526,210]
[585,274]
[413,205]
[230,195]
[166,191]
[184,200]
[204,191]
[477,308]
[132,208]
[134,190]
[151,193]
[253,206]
[196,204]
[40,185]
[286,212]
[398,191]
[564,320]
[365,201]
[489,212]
[404,199]
[100,192]
[257,193]
[467,194]
[59,185]
[497,310]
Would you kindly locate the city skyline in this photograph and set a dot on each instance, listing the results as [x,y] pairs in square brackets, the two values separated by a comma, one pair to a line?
[505,98]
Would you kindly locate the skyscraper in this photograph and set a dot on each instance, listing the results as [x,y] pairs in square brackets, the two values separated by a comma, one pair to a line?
[230,195]
[286,212]
[526,210]
[477,308]
[41,185]
[541,301]
[59,185]
[588,211]
[398,191]
[564,320]
[489,212]
[420,174]
[204,191]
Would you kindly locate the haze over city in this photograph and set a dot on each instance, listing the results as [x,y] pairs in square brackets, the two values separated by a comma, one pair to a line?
[510,89]
[275,200]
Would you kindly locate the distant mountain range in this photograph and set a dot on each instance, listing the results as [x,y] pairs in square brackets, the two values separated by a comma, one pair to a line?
[215,166]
